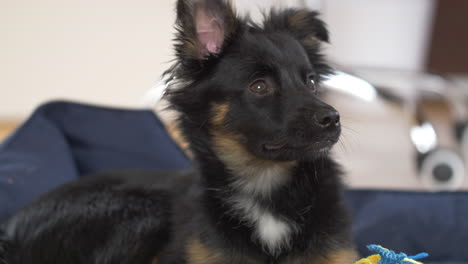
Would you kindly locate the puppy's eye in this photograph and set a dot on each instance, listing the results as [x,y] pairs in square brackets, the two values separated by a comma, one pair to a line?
[311,82]
[259,87]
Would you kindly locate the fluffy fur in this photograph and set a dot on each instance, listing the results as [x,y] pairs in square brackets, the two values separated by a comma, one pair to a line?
[265,189]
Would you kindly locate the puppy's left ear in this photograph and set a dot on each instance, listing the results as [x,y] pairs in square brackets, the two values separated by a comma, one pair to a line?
[308,29]
[306,23]
[303,24]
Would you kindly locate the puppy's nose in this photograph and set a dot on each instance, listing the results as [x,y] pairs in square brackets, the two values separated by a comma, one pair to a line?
[327,119]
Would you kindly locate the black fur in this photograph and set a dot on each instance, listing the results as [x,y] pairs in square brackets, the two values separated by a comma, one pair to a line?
[137,217]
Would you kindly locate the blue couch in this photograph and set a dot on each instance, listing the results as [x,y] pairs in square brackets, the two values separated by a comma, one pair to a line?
[62,141]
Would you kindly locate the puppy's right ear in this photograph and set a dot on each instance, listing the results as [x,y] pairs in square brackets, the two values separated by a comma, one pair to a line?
[203,27]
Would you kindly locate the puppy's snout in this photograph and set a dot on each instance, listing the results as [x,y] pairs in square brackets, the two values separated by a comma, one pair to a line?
[329,118]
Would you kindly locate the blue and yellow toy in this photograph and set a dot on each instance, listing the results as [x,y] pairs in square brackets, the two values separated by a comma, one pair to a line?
[385,256]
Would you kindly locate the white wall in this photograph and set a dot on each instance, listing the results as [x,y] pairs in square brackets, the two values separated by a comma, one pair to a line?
[107,51]
[383,33]
[112,51]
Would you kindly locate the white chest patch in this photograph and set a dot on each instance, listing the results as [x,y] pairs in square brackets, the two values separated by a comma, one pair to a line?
[273,233]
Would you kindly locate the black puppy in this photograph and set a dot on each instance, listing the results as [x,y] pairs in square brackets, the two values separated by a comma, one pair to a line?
[266,190]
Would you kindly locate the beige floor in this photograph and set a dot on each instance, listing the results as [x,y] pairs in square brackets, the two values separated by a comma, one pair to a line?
[375,148]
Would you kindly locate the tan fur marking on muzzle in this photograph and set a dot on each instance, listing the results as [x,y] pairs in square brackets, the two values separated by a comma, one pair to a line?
[253,175]
[232,152]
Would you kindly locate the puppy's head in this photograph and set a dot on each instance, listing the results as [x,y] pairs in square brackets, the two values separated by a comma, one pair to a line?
[253,87]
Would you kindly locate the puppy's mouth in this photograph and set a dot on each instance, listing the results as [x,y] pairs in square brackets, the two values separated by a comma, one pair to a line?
[320,146]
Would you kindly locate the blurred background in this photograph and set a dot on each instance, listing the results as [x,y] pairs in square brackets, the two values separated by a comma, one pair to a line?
[411,53]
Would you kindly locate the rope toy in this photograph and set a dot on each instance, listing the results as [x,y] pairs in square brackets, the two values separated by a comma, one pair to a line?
[386,256]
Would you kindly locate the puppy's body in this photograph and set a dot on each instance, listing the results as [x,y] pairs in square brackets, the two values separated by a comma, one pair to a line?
[265,190]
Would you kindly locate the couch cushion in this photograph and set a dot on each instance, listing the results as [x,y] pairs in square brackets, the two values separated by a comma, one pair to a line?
[62,141]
